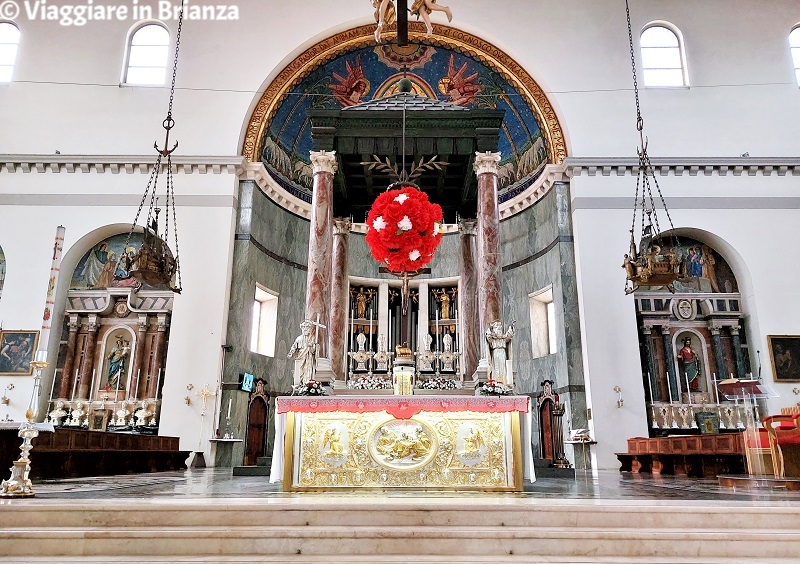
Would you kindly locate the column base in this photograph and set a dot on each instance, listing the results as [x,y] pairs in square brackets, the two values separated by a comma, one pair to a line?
[481,373]
[324,372]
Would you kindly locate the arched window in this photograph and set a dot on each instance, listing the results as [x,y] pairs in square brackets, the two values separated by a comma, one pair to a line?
[794,43]
[147,57]
[663,60]
[9,41]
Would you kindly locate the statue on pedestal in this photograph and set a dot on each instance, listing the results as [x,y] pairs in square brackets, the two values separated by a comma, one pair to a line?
[499,346]
[143,414]
[304,353]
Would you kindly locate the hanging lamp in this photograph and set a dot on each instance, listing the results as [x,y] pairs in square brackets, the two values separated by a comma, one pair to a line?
[403,226]
[153,264]
[652,264]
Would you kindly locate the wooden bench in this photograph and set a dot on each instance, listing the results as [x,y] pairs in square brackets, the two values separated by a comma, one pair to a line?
[691,455]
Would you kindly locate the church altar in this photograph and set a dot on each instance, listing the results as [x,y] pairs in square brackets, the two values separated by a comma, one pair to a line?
[427,442]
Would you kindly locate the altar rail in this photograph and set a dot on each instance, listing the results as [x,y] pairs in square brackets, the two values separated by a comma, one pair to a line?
[72,453]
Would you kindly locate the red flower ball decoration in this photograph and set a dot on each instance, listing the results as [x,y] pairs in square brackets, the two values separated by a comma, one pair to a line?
[403,228]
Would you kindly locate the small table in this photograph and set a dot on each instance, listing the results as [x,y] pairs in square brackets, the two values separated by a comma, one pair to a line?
[586,447]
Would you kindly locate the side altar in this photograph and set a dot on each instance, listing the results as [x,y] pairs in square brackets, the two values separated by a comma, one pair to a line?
[404,442]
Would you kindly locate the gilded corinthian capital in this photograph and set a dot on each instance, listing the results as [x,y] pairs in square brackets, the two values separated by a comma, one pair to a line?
[324,161]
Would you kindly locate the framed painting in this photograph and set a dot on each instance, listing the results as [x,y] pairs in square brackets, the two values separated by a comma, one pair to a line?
[784,352]
[17,350]
[98,420]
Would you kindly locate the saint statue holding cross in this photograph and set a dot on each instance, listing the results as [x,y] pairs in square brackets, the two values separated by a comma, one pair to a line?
[304,352]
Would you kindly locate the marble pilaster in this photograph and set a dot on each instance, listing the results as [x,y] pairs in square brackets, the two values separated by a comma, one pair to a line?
[467,306]
[737,351]
[320,243]
[67,373]
[669,359]
[719,358]
[138,356]
[87,365]
[651,364]
[340,288]
[423,320]
[158,356]
[383,311]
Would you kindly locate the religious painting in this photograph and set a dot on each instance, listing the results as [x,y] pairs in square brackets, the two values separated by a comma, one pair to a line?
[17,350]
[101,267]
[2,270]
[372,72]
[784,352]
[702,268]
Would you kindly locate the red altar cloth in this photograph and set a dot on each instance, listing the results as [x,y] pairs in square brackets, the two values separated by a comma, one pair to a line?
[403,407]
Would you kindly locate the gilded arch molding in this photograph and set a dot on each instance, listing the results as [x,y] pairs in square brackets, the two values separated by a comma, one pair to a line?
[363,36]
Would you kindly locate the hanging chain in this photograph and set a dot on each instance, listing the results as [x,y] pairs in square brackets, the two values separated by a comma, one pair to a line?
[645,166]
[152,183]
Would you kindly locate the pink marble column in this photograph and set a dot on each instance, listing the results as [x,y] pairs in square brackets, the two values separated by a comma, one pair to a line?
[467,302]
[490,297]
[320,243]
[337,335]
[67,372]
[88,369]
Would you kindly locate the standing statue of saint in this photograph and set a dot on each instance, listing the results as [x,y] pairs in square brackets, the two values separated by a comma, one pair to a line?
[116,362]
[304,353]
[499,349]
[690,364]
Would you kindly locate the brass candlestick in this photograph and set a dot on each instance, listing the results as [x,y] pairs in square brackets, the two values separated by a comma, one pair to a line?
[19,484]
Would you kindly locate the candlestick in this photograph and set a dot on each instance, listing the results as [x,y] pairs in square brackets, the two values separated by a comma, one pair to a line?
[688,389]
[92,387]
[391,333]
[352,329]
[158,382]
[53,385]
[650,388]
[116,391]
[230,401]
[370,327]
[669,389]
[436,329]
[74,385]
[716,390]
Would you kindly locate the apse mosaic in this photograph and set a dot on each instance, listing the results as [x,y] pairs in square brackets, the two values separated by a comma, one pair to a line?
[702,269]
[372,72]
[101,267]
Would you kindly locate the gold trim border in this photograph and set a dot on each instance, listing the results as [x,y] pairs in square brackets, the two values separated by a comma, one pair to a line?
[444,36]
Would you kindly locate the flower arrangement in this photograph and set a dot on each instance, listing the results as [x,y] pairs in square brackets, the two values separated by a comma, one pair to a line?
[494,388]
[438,384]
[310,388]
[403,228]
[370,382]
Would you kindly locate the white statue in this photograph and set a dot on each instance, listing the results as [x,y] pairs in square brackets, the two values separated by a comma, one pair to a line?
[304,353]
[58,413]
[122,414]
[447,342]
[77,415]
[143,413]
[427,340]
[361,339]
[499,350]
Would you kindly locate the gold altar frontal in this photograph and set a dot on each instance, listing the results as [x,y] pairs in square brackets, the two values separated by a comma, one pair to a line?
[445,443]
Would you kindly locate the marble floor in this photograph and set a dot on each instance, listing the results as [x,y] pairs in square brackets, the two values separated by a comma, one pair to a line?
[211,483]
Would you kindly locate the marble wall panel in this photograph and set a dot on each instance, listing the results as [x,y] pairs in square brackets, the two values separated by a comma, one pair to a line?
[538,252]
[270,249]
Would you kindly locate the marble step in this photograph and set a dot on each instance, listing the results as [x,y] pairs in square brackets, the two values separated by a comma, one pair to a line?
[326,509]
[251,470]
[408,541]
[389,559]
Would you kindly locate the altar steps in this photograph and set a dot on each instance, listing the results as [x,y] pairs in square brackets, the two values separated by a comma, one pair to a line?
[324,528]
[261,468]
